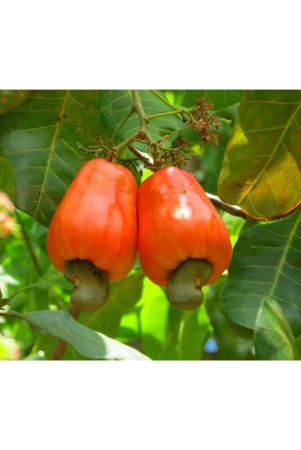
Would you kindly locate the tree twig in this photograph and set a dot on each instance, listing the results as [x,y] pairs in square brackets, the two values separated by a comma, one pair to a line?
[142,133]
[164,114]
[138,108]
[62,345]
[144,157]
[234,210]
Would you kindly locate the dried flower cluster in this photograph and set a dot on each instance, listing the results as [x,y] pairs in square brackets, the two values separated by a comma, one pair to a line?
[202,121]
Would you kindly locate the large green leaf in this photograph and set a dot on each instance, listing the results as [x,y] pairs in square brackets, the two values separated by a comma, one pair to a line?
[6,177]
[88,342]
[116,106]
[262,166]
[220,98]
[273,336]
[40,137]
[266,264]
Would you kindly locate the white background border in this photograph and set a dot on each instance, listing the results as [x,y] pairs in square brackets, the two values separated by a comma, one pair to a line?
[156,44]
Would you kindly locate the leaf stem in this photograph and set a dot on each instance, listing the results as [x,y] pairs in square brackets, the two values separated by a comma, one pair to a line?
[62,345]
[164,100]
[138,108]
[7,300]
[124,120]
[144,157]
[234,210]
[169,113]
[142,133]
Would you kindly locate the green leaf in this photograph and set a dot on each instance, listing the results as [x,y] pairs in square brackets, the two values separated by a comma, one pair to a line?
[86,341]
[234,224]
[130,328]
[266,264]
[261,169]
[195,329]
[154,319]
[10,99]
[6,177]
[40,139]
[188,333]
[116,106]
[220,99]
[272,334]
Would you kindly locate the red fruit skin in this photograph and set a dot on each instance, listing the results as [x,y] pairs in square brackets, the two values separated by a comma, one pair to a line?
[177,221]
[97,220]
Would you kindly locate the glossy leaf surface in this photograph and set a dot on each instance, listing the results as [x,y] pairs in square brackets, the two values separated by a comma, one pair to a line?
[266,264]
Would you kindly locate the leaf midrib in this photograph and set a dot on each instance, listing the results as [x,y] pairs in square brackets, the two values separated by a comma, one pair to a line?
[284,255]
[52,146]
[272,155]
